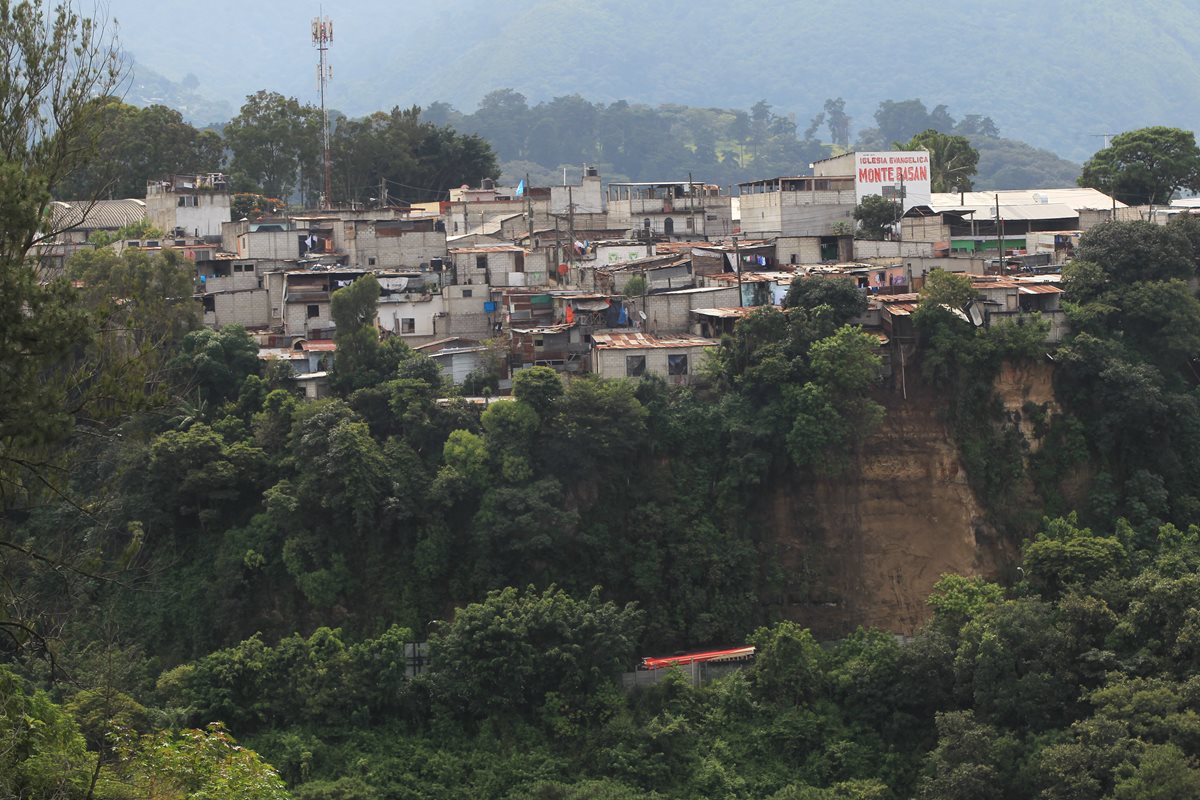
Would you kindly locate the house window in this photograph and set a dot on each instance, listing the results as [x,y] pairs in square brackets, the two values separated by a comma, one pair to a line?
[314,311]
[408,325]
[481,262]
[468,292]
[691,223]
[370,261]
[210,303]
[677,365]
[635,366]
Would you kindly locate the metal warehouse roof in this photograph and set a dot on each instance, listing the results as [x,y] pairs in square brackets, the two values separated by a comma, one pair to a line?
[90,215]
[646,341]
[1075,198]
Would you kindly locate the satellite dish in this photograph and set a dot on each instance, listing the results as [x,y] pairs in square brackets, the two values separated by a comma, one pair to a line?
[642,314]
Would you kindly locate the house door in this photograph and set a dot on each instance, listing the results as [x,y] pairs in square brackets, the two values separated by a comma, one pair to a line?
[669,226]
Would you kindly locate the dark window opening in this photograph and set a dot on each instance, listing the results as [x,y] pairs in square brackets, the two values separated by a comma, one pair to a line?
[408,325]
[677,365]
[314,311]
[635,366]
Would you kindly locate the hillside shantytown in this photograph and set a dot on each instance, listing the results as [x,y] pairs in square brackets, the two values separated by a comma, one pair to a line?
[367,458]
[496,279]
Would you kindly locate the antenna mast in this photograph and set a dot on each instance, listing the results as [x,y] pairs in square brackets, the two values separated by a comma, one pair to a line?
[322,35]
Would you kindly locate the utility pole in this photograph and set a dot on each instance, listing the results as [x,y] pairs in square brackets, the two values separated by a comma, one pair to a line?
[529,211]
[571,224]
[383,192]
[322,35]
[737,265]
[999,238]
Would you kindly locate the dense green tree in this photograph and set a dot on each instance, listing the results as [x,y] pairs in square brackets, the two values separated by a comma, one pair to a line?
[1063,555]
[539,387]
[845,299]
[217,362]
[877,216]
[142,306]
[1146,166]
[43,756]
[956,600]
[1163,772]
[276,146]
[41,323]
[204,762]
[416,159]
[137,145]
[950,289]
[839,122]
[952,159]
[789,665]
[901,120]
[1129,252]
[353,309]
[552,649]
[968,763]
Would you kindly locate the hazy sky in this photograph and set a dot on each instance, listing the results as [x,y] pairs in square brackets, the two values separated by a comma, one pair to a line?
[1052,73]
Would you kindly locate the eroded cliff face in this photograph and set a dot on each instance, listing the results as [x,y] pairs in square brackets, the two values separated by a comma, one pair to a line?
[866,548]
[1025,385]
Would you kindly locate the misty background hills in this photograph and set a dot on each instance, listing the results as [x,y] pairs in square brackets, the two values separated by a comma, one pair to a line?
[1053,74]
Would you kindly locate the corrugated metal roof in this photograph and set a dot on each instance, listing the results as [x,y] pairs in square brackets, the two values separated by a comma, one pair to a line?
[1040,288]
[724,313]
[649,263]
[489,248]
[319,345]
[279,353]
[89,215]
[446,343]
[646,341]
[694,290]
[543,329]
[728,247]
[754,277]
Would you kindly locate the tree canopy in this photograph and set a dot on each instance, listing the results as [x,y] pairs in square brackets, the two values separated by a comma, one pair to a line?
[1145,166]
[952,159]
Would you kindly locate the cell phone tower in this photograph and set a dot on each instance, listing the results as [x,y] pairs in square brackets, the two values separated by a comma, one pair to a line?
[322,36]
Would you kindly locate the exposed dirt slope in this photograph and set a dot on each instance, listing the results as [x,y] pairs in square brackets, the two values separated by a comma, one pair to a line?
[867,548]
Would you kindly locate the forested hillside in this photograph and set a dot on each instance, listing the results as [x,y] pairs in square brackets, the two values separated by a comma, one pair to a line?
[1051,74]
[723,146]
[262,561]
[272,146]
[210,587]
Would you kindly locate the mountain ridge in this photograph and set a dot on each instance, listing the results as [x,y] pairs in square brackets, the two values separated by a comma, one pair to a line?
[1054,75]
